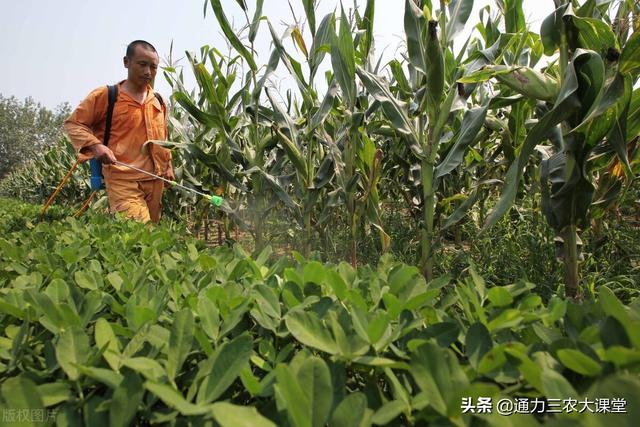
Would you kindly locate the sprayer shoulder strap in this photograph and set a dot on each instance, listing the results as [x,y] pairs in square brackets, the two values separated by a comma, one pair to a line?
[159,98]
[112,92]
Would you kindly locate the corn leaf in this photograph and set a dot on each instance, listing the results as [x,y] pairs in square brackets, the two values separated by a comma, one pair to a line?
[344,62]
[255,23]
[230,34]
[461,210]
[594,34]
[472,122]
[207,119]
[309,10]
[367,22]
[288,143]
[459,12]
[292,66]
[325,107]
[630,57]
[606,111]
[394,109]
[321,42]
[633,117]
[550,31]
[272,65]
[413,27]
[566,105]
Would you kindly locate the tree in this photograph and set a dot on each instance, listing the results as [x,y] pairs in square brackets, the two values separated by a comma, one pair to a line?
[26,127]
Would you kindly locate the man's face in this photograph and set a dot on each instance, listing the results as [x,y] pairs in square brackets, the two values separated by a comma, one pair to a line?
[142,66]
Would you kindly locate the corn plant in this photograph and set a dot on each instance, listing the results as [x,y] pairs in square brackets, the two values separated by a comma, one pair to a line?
[331,149]
[429,121]
[323,151]
[231,142]
[444,128]
[354,153]
[583,102]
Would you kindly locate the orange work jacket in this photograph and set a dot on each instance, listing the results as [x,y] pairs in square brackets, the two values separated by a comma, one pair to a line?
[132,125]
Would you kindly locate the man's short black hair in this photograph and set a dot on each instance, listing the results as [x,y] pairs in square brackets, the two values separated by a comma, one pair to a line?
[132,46]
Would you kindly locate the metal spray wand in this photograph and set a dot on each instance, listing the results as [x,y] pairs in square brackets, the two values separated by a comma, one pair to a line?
[214,200]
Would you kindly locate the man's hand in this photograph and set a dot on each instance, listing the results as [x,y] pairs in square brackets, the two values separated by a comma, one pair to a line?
[102,153]
[169,175]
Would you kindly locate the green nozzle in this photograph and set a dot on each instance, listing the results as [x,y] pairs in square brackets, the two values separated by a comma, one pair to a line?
[216,200]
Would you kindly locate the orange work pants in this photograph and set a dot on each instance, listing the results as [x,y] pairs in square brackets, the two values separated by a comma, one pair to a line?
[139,200]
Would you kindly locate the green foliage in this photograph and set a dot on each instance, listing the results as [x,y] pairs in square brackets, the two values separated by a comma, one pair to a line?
[26,129]
[37,178]
[439,130]
[118,321]
[409,156]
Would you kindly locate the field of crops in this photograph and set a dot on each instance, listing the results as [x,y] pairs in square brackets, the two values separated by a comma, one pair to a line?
[109,323]
[446,238]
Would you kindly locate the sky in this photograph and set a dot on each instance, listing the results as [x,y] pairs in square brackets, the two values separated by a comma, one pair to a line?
[58,51]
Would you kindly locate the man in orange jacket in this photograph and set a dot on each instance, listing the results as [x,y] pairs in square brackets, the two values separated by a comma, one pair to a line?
[138,116]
